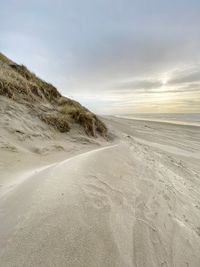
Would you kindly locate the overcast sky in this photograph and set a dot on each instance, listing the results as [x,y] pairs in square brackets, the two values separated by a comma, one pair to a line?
[114,56]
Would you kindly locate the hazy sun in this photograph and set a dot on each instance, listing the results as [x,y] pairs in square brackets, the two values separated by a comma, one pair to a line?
[164,81]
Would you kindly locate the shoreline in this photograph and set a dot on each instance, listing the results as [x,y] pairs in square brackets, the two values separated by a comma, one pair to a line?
[181,123]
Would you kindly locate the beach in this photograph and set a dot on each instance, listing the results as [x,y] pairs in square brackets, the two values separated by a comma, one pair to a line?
[133,200]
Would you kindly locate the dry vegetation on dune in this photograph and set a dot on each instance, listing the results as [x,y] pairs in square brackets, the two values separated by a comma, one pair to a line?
[24,87]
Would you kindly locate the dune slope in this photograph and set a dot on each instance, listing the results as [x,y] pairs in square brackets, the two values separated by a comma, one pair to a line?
[43,100]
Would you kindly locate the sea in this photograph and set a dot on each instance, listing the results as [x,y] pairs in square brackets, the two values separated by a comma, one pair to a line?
[176,118]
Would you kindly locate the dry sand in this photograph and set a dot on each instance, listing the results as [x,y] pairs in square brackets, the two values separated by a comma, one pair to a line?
[71,201]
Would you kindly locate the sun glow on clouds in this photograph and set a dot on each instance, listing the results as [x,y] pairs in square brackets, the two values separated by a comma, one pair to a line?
[157,94]
[165,80]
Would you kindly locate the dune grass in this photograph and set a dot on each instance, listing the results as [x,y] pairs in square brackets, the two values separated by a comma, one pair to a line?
[23,86]
[57,121]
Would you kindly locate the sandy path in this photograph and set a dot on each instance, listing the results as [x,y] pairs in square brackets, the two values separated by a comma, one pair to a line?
[17,198]
[130,204]
[23,176]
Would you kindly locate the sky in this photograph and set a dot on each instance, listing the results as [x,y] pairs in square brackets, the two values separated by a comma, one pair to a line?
[114,56]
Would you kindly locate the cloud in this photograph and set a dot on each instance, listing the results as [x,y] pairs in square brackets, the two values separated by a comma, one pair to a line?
[139,84]
[186,76]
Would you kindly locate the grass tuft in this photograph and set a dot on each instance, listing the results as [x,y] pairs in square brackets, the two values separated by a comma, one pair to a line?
[57,121]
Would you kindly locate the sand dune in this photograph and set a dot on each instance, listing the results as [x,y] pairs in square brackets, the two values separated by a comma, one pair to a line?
[132,202]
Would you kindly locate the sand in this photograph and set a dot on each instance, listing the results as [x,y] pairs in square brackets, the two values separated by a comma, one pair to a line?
[73,201]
